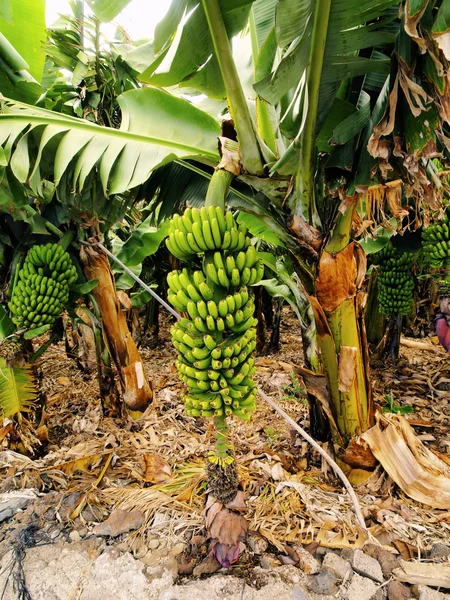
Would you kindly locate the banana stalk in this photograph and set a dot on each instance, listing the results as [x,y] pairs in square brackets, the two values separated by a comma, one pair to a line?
[341,333]
[136,388]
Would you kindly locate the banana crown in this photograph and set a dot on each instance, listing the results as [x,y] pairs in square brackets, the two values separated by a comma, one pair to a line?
[42,290]
[216,342]
[395,281]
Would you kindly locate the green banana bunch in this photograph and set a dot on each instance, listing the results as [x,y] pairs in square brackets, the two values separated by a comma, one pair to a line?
[395,282]
[198,231]
[42,290]
[216,342]
[436,242]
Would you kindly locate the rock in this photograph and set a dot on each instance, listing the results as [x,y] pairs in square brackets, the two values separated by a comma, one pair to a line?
[426,593]
[177,549]
[120,521]
[306,561]
[12,502]
[387,560]
[398,591]
[186,564]
[257,543]
[439,550]
[337,565]
[74,536]
[361,588]
[207,566]
[92,514]
[269,562]
[227,588]
[299,594]
[367,566]
[324,583]
[58,573]
[289,574]
[153,544]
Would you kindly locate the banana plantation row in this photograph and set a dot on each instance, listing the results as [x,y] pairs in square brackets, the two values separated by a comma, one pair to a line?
[308,173]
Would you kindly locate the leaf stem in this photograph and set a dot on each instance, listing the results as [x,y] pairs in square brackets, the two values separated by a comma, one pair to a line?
[304,204]
[237,102]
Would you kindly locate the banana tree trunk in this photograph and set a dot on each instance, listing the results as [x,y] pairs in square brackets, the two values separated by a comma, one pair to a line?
[341,331]
[136,388]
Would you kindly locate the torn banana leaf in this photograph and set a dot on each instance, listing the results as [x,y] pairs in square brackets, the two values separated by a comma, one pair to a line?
[414,468]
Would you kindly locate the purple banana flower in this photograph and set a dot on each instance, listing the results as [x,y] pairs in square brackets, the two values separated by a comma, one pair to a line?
[443,330]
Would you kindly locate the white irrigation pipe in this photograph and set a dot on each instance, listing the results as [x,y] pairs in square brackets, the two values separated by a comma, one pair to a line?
[135,277]
[338,471]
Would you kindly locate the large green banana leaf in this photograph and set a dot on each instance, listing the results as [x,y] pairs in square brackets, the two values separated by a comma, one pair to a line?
[156,127]
[191,61]
[107,10]
[353,26]
[23,34]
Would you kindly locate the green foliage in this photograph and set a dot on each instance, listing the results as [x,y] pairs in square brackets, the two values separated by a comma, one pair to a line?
[22,26]
[294,391]
[156,127]
[6,325]
[18,390]
[398,409]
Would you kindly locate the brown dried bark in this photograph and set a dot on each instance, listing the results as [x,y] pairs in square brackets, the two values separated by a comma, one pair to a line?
[136,388]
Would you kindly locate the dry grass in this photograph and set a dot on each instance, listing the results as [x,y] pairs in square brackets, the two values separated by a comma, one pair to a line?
[291,497]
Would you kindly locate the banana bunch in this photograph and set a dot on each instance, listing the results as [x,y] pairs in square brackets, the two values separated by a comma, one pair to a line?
[216,342]
[444,289]
[395,281]
[436,242]
[198,231]
[42,290]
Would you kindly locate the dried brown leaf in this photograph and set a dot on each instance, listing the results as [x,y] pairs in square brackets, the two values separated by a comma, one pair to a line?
[156,469]
[306,232]
[380,148]
[337,276]
[230,160]
[358,455]
[124,299]
[424,573]
[414,468]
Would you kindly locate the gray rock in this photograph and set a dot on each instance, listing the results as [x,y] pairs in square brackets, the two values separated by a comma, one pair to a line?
[12,502]
[257,543]
[92,514]
[388,561]
[120,521]
[426,593]
[324,583]
[398,591]
[438,551]
[361,588]
[337,565]
[306,561]
[299,594]
[367,566]
[58,573]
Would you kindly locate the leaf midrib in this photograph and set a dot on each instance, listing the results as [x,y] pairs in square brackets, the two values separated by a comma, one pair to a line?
[107,131]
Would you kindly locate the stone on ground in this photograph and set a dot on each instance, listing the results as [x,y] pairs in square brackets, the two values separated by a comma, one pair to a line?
[367,566]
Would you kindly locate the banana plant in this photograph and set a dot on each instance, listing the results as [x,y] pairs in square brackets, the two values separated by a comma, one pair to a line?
[337,72]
